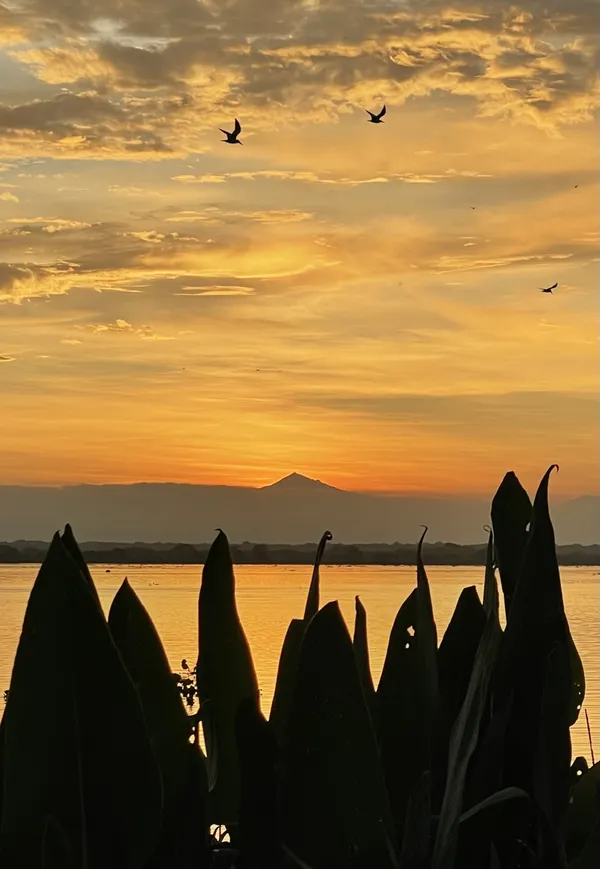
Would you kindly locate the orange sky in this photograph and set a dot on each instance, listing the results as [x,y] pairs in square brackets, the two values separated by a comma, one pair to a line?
[323,299]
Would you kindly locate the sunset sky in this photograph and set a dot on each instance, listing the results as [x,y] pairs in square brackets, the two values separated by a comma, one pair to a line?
[324,299]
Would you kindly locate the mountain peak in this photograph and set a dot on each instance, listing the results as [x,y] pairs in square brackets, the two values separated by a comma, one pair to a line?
[298,482]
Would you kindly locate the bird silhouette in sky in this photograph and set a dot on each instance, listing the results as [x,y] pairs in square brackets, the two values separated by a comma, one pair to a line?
[232,138]
[472,207]
[376,119]
[549,289]
[576,186]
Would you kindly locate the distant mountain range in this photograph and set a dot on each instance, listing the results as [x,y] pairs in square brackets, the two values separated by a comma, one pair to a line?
[293,510]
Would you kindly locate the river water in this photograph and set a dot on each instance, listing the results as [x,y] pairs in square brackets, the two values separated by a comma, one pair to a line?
[270,596]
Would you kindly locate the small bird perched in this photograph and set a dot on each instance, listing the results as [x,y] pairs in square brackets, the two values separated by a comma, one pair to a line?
[376,119]
[232,138]
[549,289]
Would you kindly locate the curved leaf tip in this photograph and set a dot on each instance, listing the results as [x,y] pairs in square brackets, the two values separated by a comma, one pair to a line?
[421,539]
[313,598]
[220,540]
[541,496]
[324,539]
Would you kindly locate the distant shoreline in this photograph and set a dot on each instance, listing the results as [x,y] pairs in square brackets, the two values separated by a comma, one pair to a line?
[394,554]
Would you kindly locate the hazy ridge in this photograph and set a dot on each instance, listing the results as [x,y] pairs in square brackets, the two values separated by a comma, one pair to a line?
[295,510]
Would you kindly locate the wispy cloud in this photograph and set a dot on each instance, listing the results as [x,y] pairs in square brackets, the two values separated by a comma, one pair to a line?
[124,328]
[216,290]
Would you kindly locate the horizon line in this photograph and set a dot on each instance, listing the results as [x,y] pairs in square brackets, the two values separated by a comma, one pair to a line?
[403,493]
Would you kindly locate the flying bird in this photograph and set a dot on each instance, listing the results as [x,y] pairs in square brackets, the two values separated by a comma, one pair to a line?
[376,119]
[576,186]
[472,207]
[549,289]
[232,138]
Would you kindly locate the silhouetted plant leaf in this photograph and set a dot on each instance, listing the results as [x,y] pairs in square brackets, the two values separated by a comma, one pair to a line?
[578,768]
[210,737]
[458,648]
[167,722]
[1,768]
[485,769]
[553,757]
[335,808]
[293,862]
[463,742]
[577,678]
[583,810]
[503,796]
[57,851]
[286,675]
[400,711]
[590,855]
[408,696]
[536,621]
[260,842]
[456,656]
[225,676]
[416,842]
[427,637]
[290,653]
[361,650]
[511,514]
[491,599]
[312,600]
[90,764]
[494,859]
[72,547]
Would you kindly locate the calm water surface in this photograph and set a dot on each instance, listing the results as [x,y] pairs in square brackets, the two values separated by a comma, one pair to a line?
[270,596]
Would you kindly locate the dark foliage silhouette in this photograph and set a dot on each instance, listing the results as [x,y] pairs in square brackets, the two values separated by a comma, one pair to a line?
[460,758]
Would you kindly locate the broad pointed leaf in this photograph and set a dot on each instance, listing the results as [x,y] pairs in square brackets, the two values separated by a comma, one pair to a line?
[334,803]
[90,765]
[290,653]
[458,649]
[168,724]
[463,743]
[260,840]
[361,650]
[553,755]
[511,515]
[416,843]
[408,697]
[503,796]
[286,676]
[225,676]
[584,809]
[536,622]
[72,547]
[590,854]
[57,851]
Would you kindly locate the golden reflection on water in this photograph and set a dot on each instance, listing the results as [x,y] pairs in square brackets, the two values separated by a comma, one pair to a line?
[270,596]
